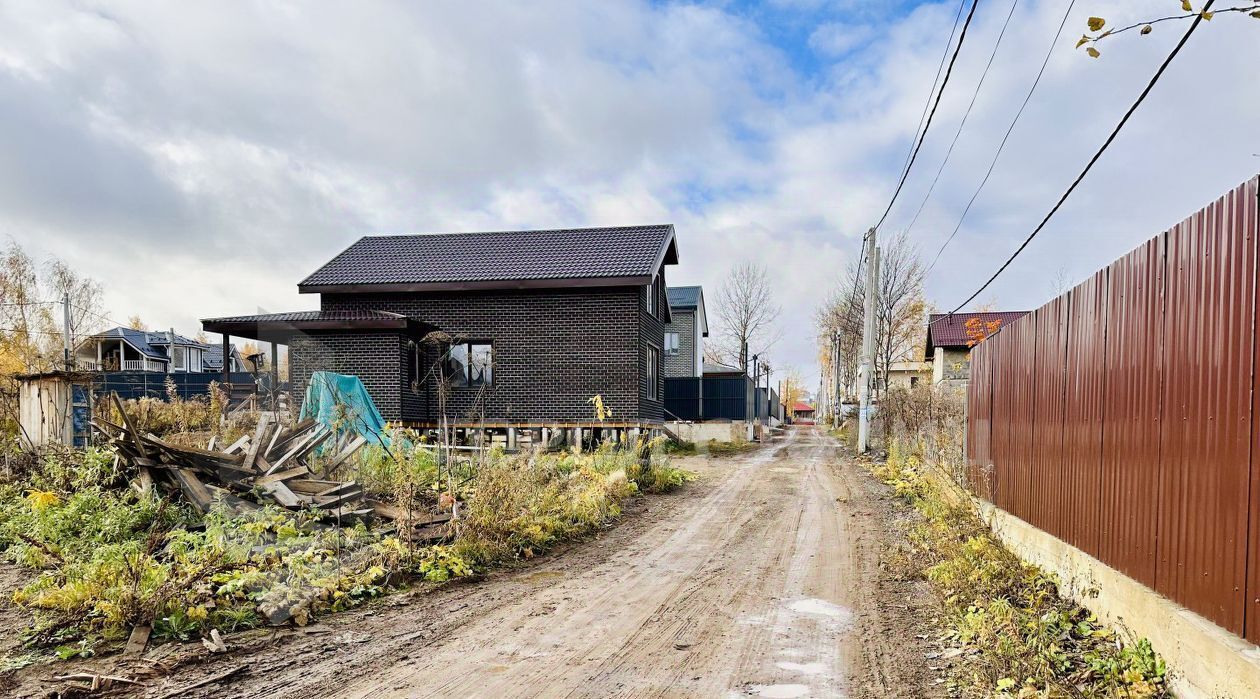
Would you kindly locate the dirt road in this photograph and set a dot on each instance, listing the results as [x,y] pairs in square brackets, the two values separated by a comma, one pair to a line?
[761,579]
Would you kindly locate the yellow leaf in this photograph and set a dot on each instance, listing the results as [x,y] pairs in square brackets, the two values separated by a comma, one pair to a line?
[1147,29]
[1256,14]
[1093,52]
[1084,40]
[42,499]
[1096,23]
[1185,5]
[1207,16]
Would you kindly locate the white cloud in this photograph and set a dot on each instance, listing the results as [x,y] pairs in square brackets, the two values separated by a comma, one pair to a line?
[201,160]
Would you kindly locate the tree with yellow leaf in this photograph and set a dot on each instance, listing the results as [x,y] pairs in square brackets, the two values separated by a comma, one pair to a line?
[1097,25]
[792,392]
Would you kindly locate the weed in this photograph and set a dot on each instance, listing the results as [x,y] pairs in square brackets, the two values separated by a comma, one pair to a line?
[1027,640]
[723,449]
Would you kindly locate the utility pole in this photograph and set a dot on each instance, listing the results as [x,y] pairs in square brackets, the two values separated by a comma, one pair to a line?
[65,333]
[868,344]
[837,400]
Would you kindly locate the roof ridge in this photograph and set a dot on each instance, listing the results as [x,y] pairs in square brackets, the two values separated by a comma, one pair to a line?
[510,231]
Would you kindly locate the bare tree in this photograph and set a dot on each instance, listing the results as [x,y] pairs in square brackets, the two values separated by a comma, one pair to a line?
[900,308]
[840,317]
[899,315]
[747,312]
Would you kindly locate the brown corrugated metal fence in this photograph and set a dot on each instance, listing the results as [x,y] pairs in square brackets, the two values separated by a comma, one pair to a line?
[1124,416]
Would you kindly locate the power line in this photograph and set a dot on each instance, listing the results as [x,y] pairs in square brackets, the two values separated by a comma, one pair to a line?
[928,124]
[1001,146]
[1106,144]
[966,115]
[935,79]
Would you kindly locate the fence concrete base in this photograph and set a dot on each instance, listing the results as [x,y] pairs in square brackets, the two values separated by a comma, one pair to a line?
[1204,660]
[700,432]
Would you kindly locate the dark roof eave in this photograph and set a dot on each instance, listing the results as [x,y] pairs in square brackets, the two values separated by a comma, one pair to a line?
[487,285]
[262,330]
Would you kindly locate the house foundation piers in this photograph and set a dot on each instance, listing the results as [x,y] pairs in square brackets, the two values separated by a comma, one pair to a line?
[549,436]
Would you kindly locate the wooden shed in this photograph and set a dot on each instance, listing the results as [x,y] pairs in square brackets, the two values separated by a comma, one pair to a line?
[55,408]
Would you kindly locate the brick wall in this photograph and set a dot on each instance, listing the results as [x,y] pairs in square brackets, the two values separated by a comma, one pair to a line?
[374,357]
[553,350]
[683,363]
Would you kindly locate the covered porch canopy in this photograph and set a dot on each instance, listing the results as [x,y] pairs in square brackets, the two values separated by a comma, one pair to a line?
[281,328]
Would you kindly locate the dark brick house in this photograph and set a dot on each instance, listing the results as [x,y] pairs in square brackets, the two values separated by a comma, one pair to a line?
[523,328]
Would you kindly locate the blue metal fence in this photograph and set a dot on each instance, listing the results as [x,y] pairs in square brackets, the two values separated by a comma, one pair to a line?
[137,384]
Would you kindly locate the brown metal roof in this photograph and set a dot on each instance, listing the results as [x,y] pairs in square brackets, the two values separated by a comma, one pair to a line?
[626,255]
[950,329]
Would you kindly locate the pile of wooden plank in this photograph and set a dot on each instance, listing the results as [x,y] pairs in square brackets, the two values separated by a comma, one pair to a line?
[275,463]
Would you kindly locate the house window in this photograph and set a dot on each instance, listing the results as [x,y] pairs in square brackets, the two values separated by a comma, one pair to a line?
[181,357]
[671,344]
[470,364]
[651,298]
[653,373]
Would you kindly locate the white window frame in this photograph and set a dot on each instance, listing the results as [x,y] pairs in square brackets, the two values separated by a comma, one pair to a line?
[673,343]
[653,372]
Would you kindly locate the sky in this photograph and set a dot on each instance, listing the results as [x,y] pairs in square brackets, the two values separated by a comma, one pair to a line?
[200,160]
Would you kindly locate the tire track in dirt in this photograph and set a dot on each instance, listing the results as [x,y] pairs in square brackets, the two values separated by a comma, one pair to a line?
[763,578]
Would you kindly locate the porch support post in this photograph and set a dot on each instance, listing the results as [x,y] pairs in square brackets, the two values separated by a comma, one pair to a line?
[275,375]
[511,438]
[227,362]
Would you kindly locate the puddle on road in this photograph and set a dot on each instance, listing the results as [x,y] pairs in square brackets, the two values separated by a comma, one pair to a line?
[544,575]
[823,608]
[779,691]
[804,668]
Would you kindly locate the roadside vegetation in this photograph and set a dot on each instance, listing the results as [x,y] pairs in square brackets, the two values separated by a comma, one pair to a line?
[713,448]
[1015,636]
[106,555]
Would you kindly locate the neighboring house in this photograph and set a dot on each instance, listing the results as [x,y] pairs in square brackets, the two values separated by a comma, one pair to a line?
[125,349]
[685,333]
[908,374]
[803,413]
[502,329]
[948,338]
[716,369]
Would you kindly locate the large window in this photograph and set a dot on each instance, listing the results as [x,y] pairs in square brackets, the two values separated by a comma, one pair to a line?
[181,357]
[655,296]
[653,373]
[671,344]
[470,364]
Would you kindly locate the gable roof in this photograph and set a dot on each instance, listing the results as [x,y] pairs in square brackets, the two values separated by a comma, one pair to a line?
[683,296]
[799,407]
[625,255]
[147,343]
[690,298]
[950,330]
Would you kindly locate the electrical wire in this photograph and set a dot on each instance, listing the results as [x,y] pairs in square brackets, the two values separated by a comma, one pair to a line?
[975,95]
[1002,146]
[1089,166]
[927,103]
[962,37]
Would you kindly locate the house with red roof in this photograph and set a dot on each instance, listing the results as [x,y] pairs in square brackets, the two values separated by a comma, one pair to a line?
[802,413]
[950,337]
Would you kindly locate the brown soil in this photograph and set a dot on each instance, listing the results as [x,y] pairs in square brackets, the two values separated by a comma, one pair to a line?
[764,578]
